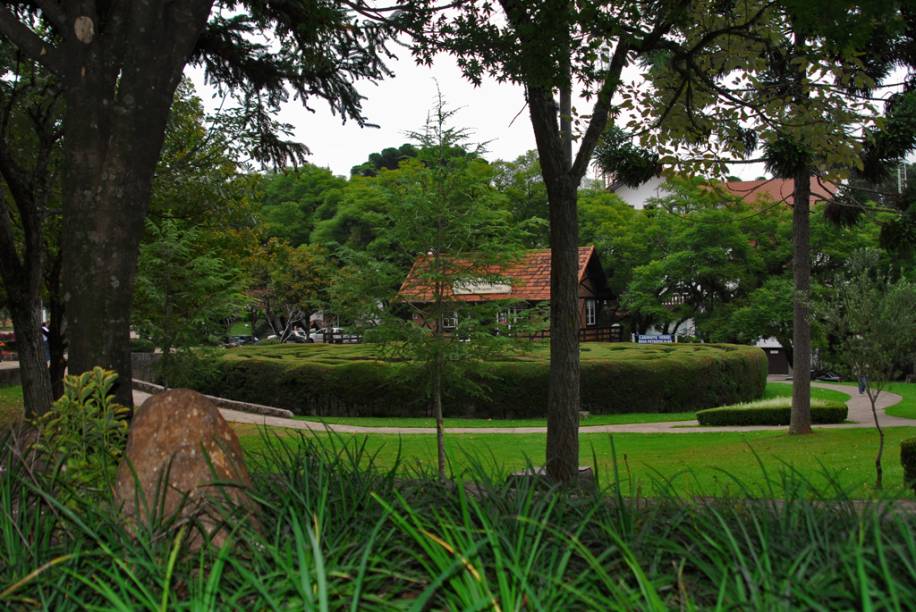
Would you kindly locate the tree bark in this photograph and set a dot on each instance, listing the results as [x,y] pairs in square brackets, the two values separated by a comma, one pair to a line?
[563,394]
[33,368]
[57,343]
[879,471]
[119,90]
[800,420]
[440,423]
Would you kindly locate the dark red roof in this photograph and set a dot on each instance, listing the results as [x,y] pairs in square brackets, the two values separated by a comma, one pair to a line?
[529,277]
[779,190]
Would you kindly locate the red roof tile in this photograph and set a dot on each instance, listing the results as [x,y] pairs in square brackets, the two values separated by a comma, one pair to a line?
[529,277]
[779,190]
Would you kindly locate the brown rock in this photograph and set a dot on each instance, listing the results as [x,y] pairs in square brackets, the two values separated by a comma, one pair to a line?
[189,467]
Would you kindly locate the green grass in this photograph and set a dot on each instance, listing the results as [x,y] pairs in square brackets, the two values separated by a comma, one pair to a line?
[778,389]
[10,406]
[334,531]
[695,463]
[450,423]
[907,407]
[239,328]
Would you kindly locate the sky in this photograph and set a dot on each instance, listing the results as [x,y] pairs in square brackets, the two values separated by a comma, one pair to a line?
[495,114]
[400,104]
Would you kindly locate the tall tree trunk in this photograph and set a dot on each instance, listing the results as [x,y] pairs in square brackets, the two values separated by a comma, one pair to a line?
[879,471]
[440,423]
[800,420]
[563,391]
[119,80]
[57,343]
[33,368]
[21,274]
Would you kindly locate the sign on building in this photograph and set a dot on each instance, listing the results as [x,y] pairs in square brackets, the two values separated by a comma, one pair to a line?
[659,339]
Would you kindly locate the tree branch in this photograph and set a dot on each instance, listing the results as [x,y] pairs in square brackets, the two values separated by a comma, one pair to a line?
[29,43]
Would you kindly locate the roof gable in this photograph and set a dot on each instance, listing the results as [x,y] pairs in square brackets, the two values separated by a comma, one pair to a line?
[529,277]
[779,190]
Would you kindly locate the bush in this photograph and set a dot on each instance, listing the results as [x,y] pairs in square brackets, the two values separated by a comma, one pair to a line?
[81,438]
[908,459]
[776,411]
[191,369]
[141,345]
[351,381]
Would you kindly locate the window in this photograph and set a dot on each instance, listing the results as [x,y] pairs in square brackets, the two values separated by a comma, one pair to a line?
[591,312]
[450,321]
[509,317]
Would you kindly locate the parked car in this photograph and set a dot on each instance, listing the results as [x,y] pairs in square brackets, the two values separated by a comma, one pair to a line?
[233,341]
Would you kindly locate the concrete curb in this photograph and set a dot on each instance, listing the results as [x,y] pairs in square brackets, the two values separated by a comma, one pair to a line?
[153,389]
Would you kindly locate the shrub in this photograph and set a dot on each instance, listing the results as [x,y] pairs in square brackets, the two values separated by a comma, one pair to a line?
[775,411]
[81,438]
[141,345]
[908,459]
[189,368]
[350,381]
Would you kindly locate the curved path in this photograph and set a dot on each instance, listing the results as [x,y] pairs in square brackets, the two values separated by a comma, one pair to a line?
[859,416]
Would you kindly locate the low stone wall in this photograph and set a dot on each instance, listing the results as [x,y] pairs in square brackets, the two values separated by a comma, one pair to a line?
[153,389]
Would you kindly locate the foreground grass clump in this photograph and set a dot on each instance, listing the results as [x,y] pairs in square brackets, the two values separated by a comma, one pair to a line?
[351,381]
[339,533]
[774,411]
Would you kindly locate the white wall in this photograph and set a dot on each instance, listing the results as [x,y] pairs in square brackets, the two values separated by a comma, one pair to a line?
[638,196]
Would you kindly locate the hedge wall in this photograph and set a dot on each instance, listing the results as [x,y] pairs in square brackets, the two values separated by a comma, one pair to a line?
[670,381]
[832,412]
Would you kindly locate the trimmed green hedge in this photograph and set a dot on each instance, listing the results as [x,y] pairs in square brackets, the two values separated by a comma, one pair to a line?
[349,381]
[908,459]
[771,413]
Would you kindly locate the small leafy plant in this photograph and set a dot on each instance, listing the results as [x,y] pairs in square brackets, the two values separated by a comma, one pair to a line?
[81,439]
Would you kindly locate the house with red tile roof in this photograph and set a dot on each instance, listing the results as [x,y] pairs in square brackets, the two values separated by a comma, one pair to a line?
[773,190]
[526,283]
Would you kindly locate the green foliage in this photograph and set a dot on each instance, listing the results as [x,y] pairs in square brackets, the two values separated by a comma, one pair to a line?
[341,529]
[775,411]
[871,317]
[629,164]
[190,367]
[908,460]
[389,158]
[82,437]
[616,378]
[293,200]
[183,293]
[290,283]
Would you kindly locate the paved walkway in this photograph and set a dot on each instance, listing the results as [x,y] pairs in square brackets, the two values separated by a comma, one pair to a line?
[859,416]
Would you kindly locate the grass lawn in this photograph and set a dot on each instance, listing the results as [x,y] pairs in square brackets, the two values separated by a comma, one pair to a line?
[907,407]
[239,328]
[694,464]
[10,406]
[785,390]
[595,419]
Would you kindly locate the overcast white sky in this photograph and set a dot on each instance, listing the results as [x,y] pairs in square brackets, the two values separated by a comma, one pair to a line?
[400,103]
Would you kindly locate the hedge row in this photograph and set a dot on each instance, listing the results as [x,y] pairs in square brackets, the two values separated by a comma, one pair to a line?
[833,412]
[510,389]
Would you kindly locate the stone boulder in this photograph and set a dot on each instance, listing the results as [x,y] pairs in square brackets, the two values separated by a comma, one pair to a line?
[189,467]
